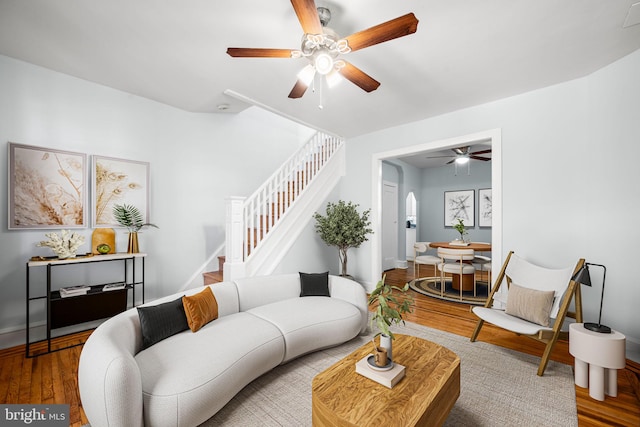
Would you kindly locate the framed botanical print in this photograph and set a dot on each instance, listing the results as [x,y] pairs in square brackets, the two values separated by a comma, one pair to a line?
[47,188]
[484,207]
[118,182]
[459,205]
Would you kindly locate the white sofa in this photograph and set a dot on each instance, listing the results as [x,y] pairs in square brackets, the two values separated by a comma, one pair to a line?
[185,379]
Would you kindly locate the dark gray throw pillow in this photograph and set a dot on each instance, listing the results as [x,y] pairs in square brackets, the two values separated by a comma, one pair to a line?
[161,321]
[314,284]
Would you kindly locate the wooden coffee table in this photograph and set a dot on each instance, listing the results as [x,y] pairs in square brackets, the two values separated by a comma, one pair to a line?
[424,397]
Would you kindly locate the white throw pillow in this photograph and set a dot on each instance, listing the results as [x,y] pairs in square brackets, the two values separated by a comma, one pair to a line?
[530,304]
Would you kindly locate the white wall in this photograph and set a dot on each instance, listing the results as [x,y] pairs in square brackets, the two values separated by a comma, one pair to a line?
[196,161]
[570,179]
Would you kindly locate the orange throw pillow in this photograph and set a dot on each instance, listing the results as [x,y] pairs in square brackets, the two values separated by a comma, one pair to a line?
[200,309]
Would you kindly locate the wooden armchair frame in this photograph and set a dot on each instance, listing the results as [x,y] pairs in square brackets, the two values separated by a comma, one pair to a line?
[550,335]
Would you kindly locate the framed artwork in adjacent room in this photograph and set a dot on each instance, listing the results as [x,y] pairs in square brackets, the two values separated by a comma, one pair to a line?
[47,188]
[118,182]
[484,207]
[459,204]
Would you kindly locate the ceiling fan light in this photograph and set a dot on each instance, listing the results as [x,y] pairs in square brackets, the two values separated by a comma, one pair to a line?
[462,160]
[306,74]
[333,78]
[323,63]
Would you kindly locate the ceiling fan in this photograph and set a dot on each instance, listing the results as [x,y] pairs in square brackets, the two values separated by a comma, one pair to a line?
[322,47]
[462,155]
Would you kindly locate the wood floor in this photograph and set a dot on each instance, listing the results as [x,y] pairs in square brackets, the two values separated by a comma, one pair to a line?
[624,410]
[52,378]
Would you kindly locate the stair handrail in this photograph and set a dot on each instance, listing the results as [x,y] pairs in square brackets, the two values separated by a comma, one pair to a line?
[283,186]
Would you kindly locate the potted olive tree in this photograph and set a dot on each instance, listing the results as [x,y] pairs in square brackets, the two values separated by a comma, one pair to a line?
[389,303]
[343,227]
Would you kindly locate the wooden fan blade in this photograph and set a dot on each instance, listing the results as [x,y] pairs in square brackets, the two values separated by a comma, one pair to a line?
[482,152]
[308,16]
[449,162]
[359,77]
[249,52]
[399,27]
[484,159]
[298,90]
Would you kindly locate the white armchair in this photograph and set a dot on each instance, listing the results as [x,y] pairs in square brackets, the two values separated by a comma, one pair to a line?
[537,302]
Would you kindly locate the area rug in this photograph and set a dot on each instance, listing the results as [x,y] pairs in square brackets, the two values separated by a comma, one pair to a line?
[430,286]
[499,387]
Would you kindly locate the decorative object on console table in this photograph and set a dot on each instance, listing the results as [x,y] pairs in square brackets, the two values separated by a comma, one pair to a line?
[132,243]
[113,286]
[344,228]
[583,277]
[65,244]
[130,217]
[74,290]
[103,236]
[388,310]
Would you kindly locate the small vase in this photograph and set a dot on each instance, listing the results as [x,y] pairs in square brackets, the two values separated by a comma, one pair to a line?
[385,341]
[132,246]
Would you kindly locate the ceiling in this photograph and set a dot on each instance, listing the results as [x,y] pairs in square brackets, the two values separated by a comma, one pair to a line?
[464,53]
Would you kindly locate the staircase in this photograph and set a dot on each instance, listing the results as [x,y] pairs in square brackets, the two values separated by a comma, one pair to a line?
[215,276]
[261,228]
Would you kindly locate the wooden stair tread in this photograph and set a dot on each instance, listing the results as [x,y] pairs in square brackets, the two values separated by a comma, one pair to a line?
[211,277]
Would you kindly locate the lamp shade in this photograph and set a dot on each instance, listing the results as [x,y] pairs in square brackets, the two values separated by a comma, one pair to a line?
[583,276]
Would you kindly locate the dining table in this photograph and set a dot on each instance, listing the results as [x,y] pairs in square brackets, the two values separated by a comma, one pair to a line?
[476,246]
[467,279]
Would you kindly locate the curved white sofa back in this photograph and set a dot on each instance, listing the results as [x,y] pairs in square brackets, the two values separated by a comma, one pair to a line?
[108,375]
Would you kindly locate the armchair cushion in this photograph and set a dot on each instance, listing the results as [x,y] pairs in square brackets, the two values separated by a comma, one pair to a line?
[530,304]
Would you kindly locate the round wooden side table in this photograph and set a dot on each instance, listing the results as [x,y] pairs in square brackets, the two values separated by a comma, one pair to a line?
[598,356]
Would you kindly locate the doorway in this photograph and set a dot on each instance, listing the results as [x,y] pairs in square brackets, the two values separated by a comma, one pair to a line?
[494,137]
[389,225]
[411,211]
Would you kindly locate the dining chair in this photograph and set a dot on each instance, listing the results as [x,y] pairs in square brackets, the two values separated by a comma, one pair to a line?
[426,259]
[483,263]
[459,263]
[536,305]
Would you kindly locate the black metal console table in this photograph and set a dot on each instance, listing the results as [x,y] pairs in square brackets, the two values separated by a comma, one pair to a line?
[93,305]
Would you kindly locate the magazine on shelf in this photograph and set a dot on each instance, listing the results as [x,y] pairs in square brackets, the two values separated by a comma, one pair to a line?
[74,290]
[113,286]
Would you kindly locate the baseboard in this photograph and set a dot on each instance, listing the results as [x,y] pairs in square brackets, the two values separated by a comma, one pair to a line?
[402,264]
[12,337]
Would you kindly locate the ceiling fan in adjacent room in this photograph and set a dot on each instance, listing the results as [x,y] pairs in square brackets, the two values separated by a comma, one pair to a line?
[463,155]
[323,48]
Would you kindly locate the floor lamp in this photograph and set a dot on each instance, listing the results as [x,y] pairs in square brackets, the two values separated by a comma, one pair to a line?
[583,277]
